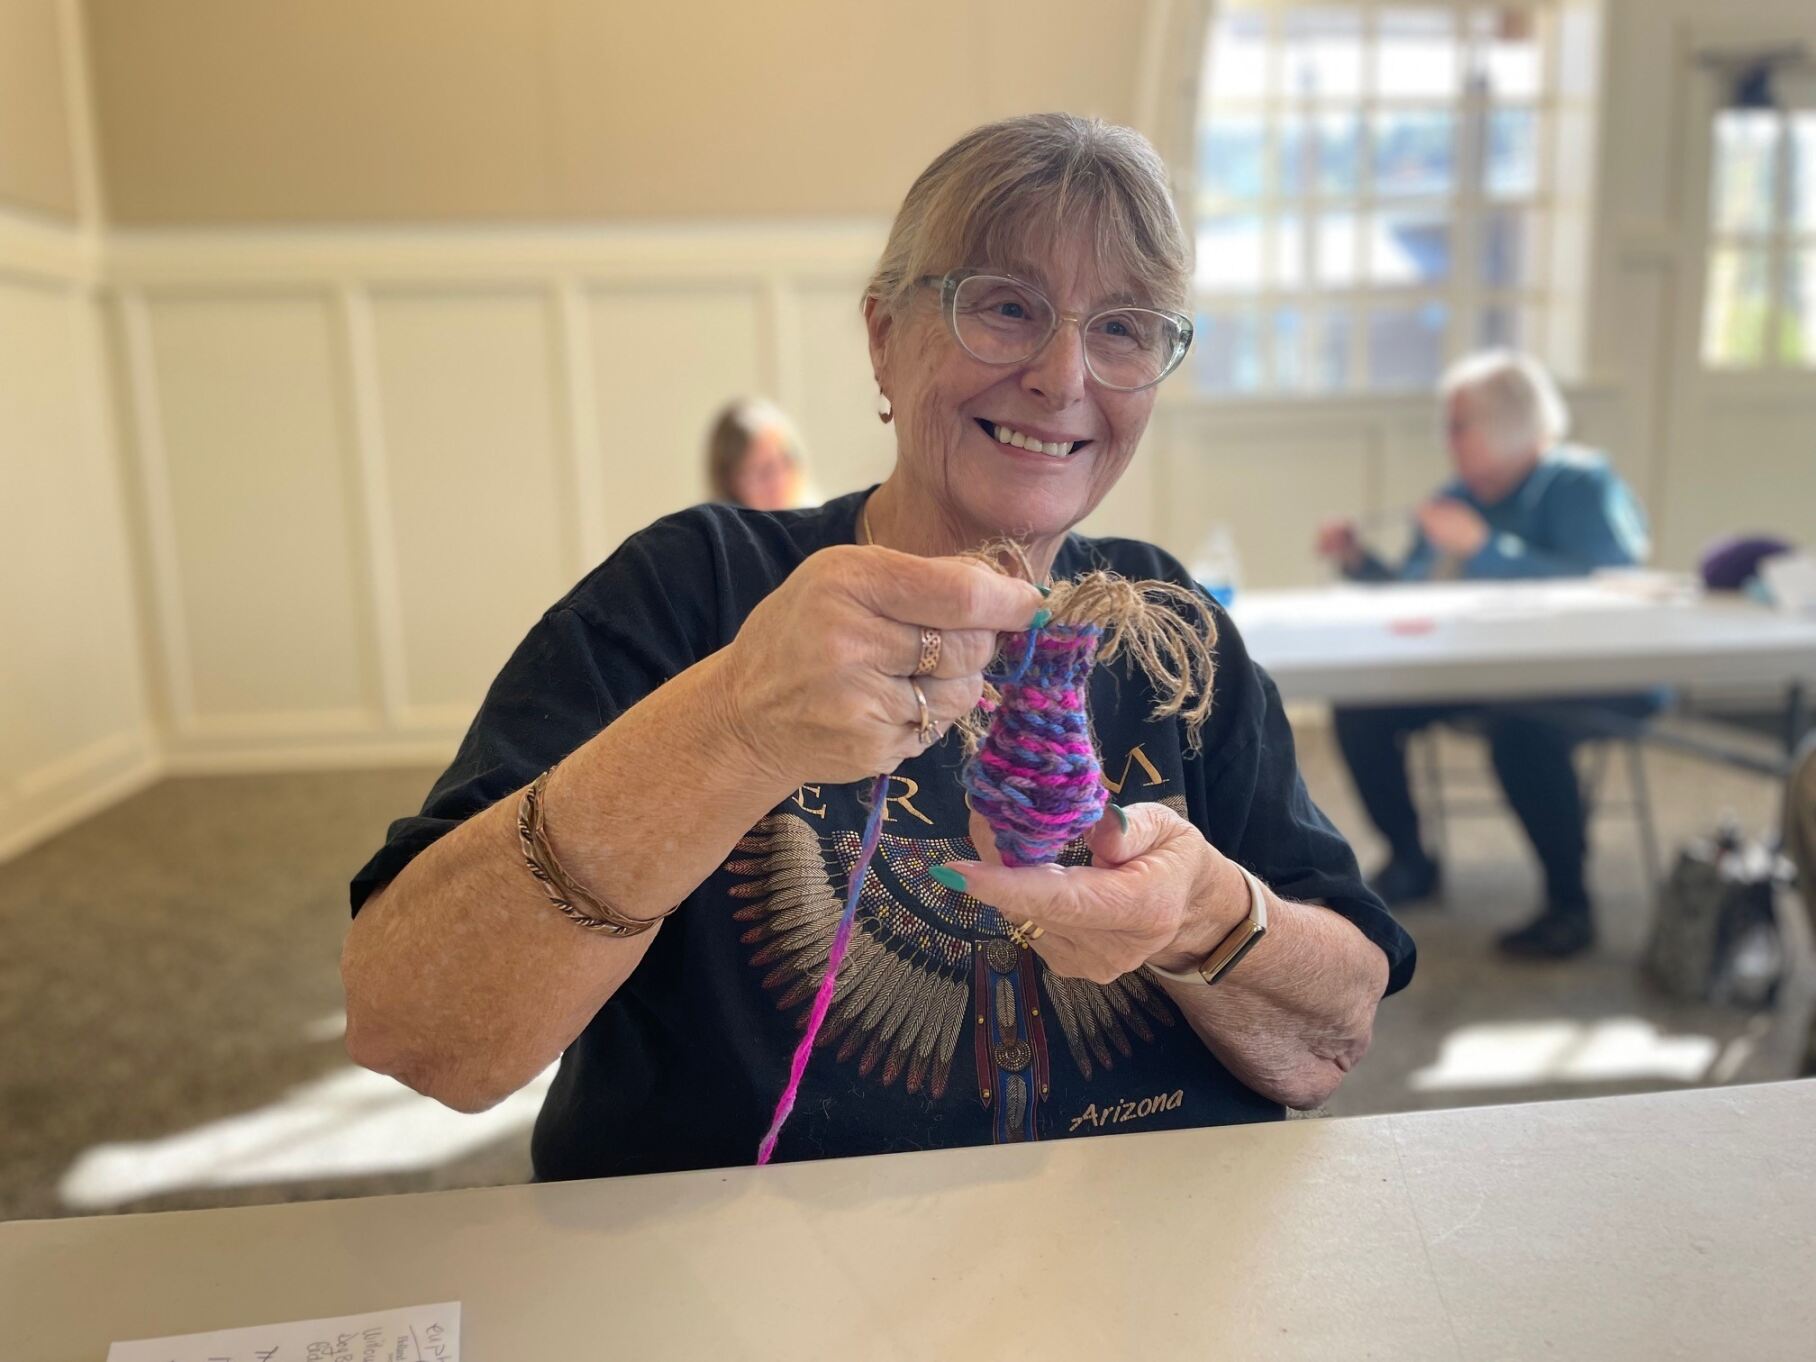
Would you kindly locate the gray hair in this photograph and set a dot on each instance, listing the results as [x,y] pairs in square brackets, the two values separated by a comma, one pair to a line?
[1518,397]
[1004,193]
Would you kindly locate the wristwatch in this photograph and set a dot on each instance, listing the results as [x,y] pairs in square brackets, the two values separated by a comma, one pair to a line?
[1240,941]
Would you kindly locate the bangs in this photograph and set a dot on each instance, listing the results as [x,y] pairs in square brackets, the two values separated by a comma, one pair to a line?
[1026,235]
[1021,195]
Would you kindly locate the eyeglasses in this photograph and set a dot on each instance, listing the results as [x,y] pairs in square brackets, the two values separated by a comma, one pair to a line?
[999,319]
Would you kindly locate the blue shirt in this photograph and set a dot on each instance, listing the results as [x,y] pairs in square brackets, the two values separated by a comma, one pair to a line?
[1570,516]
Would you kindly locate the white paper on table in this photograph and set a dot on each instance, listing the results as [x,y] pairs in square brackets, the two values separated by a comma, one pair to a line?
[413,1333]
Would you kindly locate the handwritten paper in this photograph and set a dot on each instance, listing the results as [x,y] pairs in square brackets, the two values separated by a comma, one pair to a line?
[416,1333]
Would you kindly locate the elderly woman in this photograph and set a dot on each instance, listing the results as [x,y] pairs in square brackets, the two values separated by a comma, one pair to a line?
[708,703]
[753,458]
[1523,504]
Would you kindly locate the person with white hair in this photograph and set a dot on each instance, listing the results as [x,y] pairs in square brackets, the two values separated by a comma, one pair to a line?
[655,828]
[1523,504]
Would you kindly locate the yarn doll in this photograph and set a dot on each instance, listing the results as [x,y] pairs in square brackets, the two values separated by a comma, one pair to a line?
[1032,772]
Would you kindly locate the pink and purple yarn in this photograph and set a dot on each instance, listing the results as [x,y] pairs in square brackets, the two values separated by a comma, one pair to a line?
[822,999]
[1035,780]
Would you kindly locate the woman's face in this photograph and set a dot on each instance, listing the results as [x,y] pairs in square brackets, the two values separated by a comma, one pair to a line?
[948,407]
[1485,464]
[766,480]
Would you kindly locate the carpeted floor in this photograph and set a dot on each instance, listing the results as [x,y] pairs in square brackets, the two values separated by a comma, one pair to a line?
[171,1000]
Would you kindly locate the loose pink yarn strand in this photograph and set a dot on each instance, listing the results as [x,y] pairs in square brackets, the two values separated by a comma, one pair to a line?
[822,1000]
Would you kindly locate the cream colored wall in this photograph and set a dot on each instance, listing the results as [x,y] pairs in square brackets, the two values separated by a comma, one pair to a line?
[76,725]
[363,460]
[75,731]
[37,169]
[216,111]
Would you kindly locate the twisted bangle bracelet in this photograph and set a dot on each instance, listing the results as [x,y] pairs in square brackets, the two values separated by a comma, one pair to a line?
[575,903]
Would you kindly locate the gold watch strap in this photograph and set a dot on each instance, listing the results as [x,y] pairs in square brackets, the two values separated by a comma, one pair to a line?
[1240,941]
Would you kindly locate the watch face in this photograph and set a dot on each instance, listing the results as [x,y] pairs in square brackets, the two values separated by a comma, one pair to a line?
[1236,958]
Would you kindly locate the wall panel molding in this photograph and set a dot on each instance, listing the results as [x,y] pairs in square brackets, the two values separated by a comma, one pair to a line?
[75,731]
[733,300]
[382,615]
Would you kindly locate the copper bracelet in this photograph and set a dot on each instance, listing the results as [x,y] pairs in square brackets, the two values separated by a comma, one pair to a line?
[575,903]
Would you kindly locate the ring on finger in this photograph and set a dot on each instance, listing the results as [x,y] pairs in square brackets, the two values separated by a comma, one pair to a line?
[924,728]
[930,652]
[1027,934]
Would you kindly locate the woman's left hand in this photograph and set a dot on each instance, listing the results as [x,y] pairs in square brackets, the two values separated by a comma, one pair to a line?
[1156,891]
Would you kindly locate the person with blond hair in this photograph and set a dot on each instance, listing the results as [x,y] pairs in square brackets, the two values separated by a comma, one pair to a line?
[1523,503]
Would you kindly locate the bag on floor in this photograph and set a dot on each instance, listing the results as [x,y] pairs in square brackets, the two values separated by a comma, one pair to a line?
[1715,935]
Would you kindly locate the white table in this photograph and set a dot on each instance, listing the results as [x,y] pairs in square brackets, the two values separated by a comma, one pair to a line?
[1681,1225]
[1468,641]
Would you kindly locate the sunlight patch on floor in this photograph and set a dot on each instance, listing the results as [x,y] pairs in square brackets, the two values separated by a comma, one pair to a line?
[351,1123]
[1527,1054]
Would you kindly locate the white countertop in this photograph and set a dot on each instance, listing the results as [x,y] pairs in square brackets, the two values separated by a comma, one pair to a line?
[1680,1225]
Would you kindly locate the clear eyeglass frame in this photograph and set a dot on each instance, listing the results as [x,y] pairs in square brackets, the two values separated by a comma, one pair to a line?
[949,284]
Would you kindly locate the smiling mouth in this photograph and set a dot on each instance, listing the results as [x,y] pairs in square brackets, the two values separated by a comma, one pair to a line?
[1009,435]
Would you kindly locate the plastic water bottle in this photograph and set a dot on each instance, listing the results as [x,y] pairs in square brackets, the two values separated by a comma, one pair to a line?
[1216,566]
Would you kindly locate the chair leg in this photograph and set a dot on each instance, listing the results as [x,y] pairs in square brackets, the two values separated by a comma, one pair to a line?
[1429,758]
[1641,792]
[1596,776]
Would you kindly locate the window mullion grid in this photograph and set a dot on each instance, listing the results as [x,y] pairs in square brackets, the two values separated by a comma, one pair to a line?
[1469,153]
[1363,218]
[1302,106]
[1311,325]
[1467,291]
[1547,194]
[1274,105]
[1778,270]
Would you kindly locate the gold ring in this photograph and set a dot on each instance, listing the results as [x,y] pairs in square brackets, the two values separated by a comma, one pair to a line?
[930,653]
[1027,934]
[924,727]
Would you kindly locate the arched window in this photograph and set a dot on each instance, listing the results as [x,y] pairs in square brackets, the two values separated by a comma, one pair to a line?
[1378,188]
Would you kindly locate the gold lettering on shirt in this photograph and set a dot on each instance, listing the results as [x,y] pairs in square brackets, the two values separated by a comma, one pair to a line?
[801,803]
[1136,757]
[1115,1113]
[914,788]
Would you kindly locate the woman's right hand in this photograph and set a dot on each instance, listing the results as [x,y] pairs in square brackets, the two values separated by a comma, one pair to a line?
[818,677]
[1339,541]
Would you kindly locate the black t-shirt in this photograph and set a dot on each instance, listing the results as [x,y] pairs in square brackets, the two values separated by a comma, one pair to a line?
[942,1033]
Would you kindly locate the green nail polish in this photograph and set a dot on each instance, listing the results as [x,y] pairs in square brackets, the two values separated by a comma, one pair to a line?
[1044,590]
[949,877]
[1122,817]
[1040,619]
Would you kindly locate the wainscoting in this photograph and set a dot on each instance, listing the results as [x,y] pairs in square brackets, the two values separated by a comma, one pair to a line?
[366,464]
